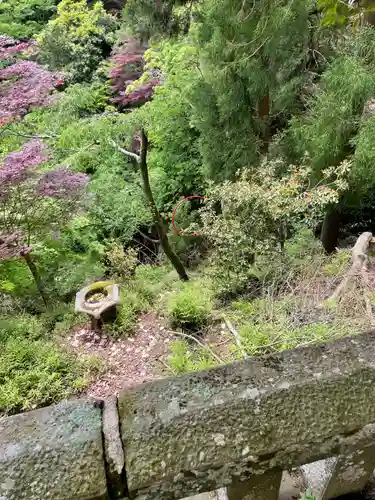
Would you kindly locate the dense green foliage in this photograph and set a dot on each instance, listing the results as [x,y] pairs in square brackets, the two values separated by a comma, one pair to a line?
[77,39]
[191,307]
[34,371]
[25,18]
[265,109]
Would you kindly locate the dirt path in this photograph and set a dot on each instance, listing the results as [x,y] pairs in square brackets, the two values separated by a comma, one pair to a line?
[130,361]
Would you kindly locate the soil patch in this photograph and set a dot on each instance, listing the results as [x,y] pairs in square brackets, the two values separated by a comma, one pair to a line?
[130,361]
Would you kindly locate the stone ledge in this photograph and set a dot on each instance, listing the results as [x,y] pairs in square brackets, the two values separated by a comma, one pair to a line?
[114,454]
[53,453]
[202,431]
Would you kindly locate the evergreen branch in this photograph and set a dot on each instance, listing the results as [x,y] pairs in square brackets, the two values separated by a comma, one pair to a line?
[243,10]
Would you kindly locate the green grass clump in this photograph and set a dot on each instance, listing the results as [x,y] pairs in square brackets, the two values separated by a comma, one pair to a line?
[37,373]
[191,306]
[22,325]
[61,318]
[184,358]
[34,371]
[338,263]
[267,325]
[132,303]
[263,338]
[151,281]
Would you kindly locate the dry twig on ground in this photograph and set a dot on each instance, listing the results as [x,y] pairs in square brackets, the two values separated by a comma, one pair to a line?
[201,344]
[236,336]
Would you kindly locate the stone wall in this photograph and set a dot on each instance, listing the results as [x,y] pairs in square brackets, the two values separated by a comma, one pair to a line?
[236,427]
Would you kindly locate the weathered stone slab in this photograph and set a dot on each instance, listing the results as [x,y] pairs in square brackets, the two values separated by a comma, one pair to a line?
[53,453]
[203,496]
[211,495]
[345,474]
[205,430]
[292,485]
[114,454]
[258,487]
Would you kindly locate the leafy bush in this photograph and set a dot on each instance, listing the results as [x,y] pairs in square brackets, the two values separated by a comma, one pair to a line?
[184,358]
[78,38]
[121,263]
[191,306]
[131,305]
[16,279]
[24,18]
[35,373]
[257,214]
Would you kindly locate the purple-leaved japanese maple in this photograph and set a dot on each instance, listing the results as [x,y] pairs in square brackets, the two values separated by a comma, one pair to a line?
[24,84]
[33,201]
[127,65]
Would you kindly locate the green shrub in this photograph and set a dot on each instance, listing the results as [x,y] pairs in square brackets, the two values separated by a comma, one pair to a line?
[25,18]
[151,281]
[16,279]
[77,38]
[34,370]
[184,359]
[244,307]
[121,263]
[36,373]
[64,272]
[21,326]
[302,243]
[61,318]
[258,211]
[131,305]
[190,307]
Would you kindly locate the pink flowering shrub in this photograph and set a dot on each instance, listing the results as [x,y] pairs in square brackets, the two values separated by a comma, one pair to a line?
[31,201]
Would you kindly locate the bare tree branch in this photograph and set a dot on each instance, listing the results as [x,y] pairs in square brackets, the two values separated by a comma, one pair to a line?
[124,151]
[148,237]
[28,136]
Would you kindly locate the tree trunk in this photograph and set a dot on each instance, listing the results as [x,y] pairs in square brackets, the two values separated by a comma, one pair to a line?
[330,230]
[368,17]
[34,271]
[164,242]
[264,115]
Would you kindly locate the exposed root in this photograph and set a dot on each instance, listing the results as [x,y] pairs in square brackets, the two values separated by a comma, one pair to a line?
[359,269]
[359,264]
